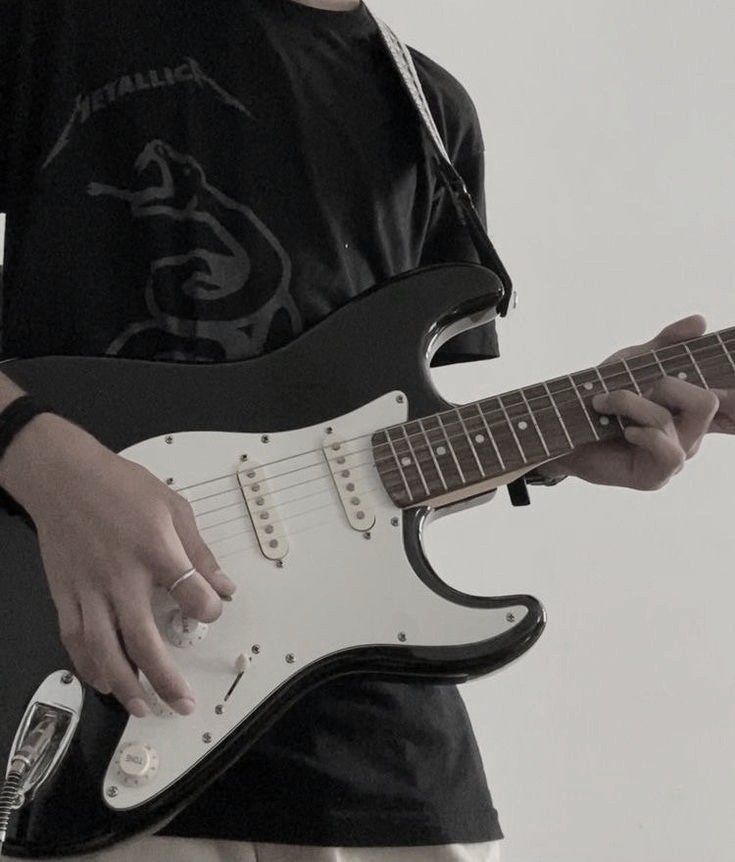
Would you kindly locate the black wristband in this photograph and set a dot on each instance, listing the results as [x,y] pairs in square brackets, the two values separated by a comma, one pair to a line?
[17,414]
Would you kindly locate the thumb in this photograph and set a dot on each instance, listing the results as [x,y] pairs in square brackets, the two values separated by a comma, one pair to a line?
[680,330]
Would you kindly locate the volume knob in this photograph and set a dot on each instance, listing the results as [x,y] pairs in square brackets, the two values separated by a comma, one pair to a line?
[183,631]
[136,764]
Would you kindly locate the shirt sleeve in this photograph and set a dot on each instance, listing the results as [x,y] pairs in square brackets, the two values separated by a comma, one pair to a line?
[447,240]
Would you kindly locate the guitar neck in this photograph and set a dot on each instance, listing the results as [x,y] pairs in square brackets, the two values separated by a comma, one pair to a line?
[462,451]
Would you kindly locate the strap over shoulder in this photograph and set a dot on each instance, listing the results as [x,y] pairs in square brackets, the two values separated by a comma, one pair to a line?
[449,175]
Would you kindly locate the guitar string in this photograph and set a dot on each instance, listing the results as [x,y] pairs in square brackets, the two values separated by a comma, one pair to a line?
[715,359]
[256,546]
[354,467]
[251,530]
[280,507]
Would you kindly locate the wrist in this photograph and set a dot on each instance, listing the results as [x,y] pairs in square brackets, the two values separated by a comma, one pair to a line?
[31,465]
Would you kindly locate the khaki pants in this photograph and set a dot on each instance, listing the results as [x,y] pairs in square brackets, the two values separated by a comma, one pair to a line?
[162,848]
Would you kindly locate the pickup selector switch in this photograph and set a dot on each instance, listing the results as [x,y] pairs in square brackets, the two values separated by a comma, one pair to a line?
[136,763]
[183,631]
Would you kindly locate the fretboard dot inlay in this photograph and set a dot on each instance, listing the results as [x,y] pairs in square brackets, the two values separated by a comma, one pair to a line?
[604,420]
[406,462]
[440,450]
[589,386]
[682,375]
[480,438]
[523,425]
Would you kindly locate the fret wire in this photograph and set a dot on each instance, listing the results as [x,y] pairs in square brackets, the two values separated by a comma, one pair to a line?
[490,435]
[533,418]
[711,360]
[558,414]
[658,362]
[400,467]
[604,386]
[521,451]
[431,450]
[595,369]
[472,444]
[416,461]
[451,448]
[584,408]
[727,352]
[630,374]
[694,362]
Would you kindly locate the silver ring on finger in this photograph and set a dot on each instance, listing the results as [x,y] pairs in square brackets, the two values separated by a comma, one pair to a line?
[181,579]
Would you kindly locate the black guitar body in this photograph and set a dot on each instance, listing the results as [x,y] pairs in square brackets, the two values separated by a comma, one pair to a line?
[378,343]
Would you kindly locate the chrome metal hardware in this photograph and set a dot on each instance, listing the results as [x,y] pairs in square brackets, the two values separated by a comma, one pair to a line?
[41,741]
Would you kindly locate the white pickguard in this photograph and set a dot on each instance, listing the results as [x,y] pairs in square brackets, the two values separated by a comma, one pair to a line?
[334,590]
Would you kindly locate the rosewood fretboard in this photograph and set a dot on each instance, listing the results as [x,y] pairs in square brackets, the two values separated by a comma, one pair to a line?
[456,451]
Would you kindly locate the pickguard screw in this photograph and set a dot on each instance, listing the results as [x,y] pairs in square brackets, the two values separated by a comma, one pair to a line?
[265,439]
[279,564]
[207,737]
[401,636]
[67,678]
[169,481]
[111,791]
[169,440]
[290,658]
[400,399]
[367,535]
[510,617]
[330,430]
[394,522]
[255,649]
[219,709]
[243,457]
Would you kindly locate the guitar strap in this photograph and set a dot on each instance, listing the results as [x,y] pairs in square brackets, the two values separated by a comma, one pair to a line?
[449,175]
[461,197]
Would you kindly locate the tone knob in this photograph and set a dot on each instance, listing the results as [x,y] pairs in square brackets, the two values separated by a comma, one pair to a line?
[136,763]
[183,631]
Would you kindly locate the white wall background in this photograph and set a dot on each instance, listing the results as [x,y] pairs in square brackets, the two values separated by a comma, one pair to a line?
[609,131]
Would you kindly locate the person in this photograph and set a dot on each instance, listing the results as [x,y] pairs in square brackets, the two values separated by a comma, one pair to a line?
[204,182]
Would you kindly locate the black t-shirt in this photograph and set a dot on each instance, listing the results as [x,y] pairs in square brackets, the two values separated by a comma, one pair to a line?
[204,181]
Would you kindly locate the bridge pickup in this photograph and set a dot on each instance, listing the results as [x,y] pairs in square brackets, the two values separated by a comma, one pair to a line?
[349,471]
[263,511]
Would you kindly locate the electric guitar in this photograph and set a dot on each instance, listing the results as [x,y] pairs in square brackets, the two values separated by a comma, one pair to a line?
[312,471]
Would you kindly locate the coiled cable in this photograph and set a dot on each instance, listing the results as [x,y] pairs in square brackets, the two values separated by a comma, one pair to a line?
[8,795]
